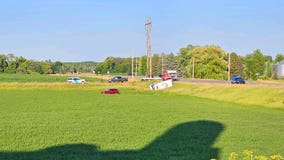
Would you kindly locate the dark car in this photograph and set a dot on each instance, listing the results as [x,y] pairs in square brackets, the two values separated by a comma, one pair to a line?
[111,91]
[237,80]
[118,79]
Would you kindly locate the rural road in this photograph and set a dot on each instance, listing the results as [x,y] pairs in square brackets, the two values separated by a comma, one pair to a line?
[210,81]
[276,84]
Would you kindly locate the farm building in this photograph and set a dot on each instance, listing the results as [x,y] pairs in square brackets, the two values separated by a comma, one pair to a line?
[279,69]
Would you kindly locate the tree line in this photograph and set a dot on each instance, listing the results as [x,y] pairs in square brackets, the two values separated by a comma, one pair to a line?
[12,64]
[117,65]
[211,62]
[203,62]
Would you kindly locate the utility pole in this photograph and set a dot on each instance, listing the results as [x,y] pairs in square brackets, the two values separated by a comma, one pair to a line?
[136,67]
[193,67]
[148,26]
[229,67]
[162,63]
[132,65]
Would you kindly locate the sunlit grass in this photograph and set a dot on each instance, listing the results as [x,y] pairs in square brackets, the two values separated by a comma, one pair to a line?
[36,119]
[268,96]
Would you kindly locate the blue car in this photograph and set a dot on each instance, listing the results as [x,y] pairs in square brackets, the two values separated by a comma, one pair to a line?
[237,80]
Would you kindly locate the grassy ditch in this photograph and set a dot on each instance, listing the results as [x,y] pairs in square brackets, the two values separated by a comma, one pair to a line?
[268,96]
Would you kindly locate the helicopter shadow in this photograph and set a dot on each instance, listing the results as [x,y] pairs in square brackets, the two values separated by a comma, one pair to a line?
[188,141]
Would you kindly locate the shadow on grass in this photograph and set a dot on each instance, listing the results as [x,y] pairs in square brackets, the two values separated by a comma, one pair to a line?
[190,141]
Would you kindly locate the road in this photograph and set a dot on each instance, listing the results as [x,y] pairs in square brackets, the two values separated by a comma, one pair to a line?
[276,84]
[224,82]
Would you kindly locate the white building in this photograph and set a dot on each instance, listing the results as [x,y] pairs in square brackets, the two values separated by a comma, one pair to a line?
[280,69]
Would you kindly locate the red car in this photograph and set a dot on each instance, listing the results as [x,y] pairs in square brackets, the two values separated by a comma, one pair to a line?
[111,91]
[166,76]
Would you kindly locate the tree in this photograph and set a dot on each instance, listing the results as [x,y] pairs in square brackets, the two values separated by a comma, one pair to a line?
[142,65]
[11,57]
[12,64]
[156,64]
[170,62]
[184,58]
[124,66]
[22,65]
[99,69]
[3,63]
[255,64]
[57,67]
[209,62]
[34,67]
[268,69]
[109,64]
[236,64]
[279,57]
[12,67]
[46,67]
[106,65]
[115,65]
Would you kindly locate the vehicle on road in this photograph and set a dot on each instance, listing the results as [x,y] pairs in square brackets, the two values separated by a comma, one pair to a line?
[111,91]
[118,79]
[76,80]
[237,80]
[173,74]
[166,76]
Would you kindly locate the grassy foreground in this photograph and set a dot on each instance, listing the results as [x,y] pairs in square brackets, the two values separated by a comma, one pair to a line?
[60,121]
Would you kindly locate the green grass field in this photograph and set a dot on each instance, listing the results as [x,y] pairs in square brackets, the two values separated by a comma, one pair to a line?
[27,78]
[60,121]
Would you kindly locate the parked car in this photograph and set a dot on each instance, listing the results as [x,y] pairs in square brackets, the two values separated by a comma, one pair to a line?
[237,80]
[111,91]
[76,80]
[118,79]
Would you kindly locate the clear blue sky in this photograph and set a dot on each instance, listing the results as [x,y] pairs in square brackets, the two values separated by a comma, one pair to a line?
[91,30]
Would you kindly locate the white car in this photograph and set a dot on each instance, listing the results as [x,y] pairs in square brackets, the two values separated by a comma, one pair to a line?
[76,80]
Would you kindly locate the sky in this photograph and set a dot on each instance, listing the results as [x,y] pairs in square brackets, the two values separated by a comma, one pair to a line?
[91,30]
